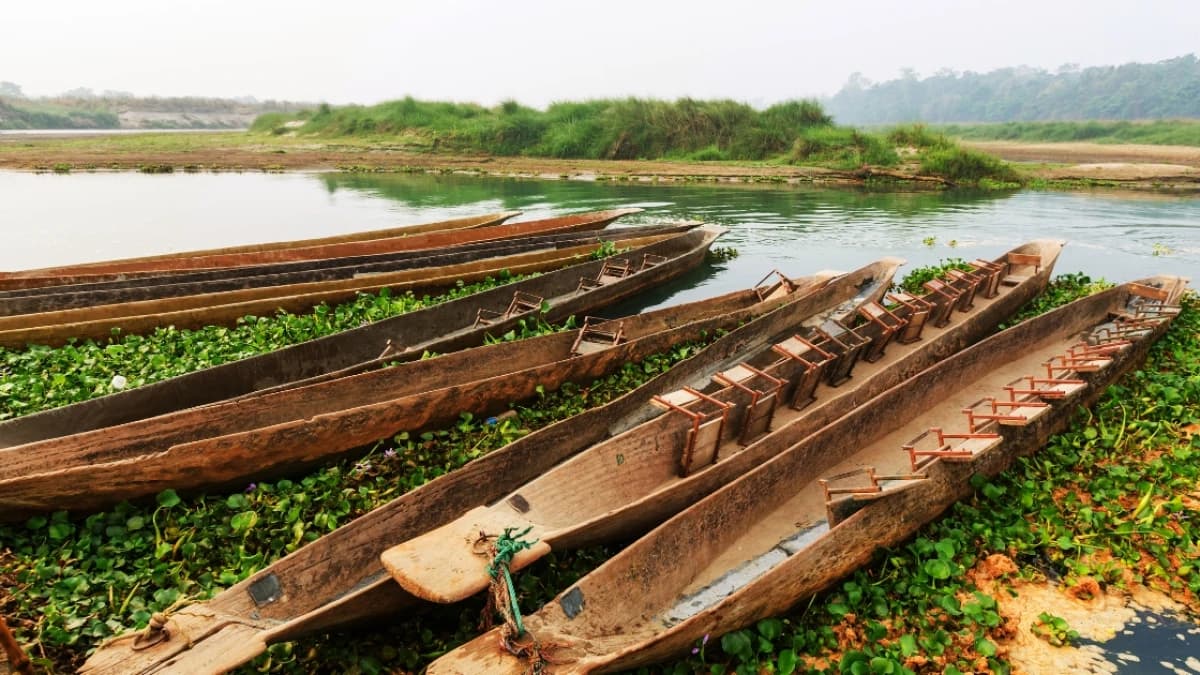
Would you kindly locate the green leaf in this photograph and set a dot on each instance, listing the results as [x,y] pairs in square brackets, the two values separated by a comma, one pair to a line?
[908,645]
[243,521]
[770,628]
[787,662]
[938,569]
[167,499]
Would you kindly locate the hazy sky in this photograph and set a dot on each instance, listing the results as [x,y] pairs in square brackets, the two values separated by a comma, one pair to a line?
[541,51]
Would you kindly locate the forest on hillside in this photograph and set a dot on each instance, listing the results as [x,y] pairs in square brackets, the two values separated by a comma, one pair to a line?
[1133,91]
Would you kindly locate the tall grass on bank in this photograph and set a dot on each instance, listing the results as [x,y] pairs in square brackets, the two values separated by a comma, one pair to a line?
[629,128]
[1158,132]
[796,132]
[940,155]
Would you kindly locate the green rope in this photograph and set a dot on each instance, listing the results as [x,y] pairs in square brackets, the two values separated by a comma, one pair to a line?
[507,546]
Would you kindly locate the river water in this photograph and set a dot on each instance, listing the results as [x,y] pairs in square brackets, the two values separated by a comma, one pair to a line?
[51,219]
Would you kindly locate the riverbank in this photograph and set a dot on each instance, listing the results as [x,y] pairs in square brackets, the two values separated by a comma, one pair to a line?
[1058,165]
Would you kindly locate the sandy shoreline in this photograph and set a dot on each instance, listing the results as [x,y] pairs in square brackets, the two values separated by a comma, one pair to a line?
[1164,168]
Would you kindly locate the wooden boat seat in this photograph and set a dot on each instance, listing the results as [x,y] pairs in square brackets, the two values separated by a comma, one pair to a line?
[1021,266]
[763,390]
[991,273]
[1063,365]
[597,335]
[705,417]
[880,325]
[611,270]
[776,289]
[1051,389]
[521,303]
[935,444]
[944,298]
[988,410]
[1094,346]
[915,311]
[845,344]
[846,493]
[650,260]
[803,365]
[967,283]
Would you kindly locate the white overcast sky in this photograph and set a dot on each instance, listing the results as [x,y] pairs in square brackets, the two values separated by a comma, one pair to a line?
[537,52]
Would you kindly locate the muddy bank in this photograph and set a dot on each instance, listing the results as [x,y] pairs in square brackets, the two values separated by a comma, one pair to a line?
[1087,165]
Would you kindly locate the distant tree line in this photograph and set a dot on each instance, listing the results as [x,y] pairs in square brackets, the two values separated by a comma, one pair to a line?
[1166,89]
[83,108]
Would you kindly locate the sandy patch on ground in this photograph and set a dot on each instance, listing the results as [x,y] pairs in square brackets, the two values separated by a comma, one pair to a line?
[1099,619]
[1090,153]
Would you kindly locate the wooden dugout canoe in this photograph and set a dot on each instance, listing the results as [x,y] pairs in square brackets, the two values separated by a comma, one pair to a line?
[228,307]
[56,298]
[442,328]
[256,437]
[594,220]
[652,471]
[468,222]
[757,546]
[338,580]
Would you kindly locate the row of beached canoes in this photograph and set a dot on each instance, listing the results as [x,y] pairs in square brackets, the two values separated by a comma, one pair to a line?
[820,378]
[221,289]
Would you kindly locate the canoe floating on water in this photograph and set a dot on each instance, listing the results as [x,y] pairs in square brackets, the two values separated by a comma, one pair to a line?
[468,222]
[442,328]
[228,307]
[55,298]
[595,220]
[711,435]
[798,523]
[338,579]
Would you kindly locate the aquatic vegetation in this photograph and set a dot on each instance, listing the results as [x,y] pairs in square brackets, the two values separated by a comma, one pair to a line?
[71,582]
[917,276]
[40,377]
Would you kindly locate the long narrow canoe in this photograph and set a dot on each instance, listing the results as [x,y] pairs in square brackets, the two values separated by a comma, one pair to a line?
[430,240]
[443,328]
[659,473]
[801,521]
[256,437]
[338,579]
[465,223]
[55,298]
[228,307]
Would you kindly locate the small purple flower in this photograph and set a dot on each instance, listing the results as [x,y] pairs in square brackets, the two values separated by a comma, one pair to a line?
[362,467]
[695,650]
[389,453]
[705,640]
[251,488]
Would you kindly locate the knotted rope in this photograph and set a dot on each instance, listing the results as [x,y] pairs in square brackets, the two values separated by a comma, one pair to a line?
[155,632]
[503,596]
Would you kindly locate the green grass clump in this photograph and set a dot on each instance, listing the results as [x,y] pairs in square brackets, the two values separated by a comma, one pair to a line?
[842,147]
[964,166]
[630,128]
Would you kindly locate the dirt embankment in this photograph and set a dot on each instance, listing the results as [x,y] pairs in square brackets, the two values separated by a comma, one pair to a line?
[1083,164]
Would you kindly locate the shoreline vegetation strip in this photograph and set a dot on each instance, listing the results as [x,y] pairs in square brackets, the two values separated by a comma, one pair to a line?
[73,582]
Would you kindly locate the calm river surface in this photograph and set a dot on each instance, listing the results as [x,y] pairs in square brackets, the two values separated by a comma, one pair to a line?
[49,219]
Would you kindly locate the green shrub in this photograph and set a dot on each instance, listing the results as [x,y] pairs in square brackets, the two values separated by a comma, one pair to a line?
[961,165]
